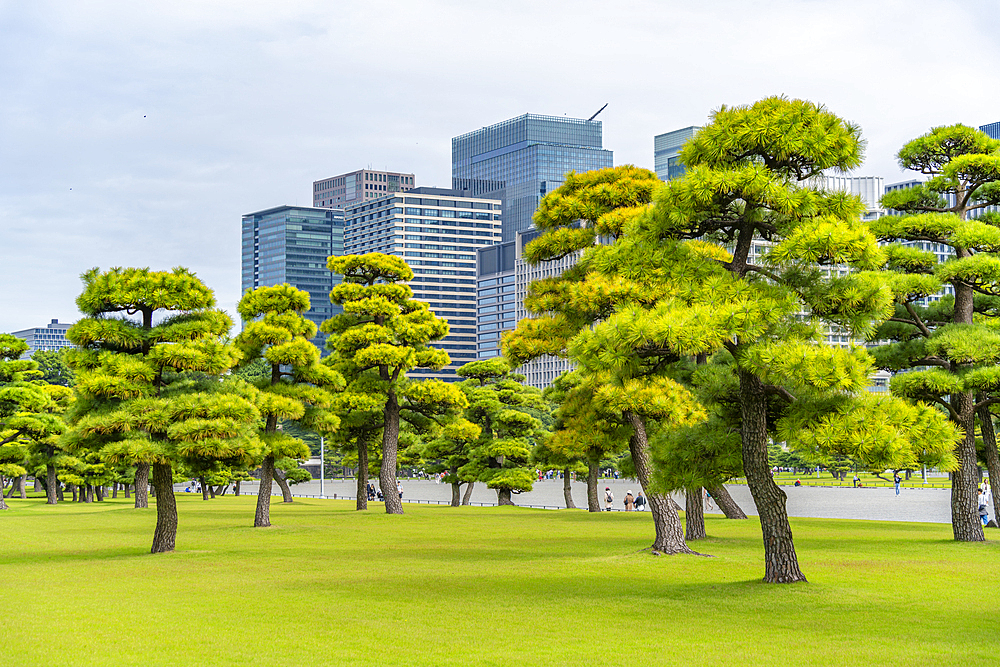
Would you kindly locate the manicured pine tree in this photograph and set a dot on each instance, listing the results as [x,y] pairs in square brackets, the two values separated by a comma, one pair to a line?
[498,404]
[745,194]
[297,386]
[151,348]
[381,335]
[941,343]
[449,451]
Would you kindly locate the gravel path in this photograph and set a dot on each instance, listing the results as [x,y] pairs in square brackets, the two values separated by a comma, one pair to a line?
[880,504]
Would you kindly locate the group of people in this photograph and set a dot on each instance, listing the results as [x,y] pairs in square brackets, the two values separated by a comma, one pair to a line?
[985,502]
[632,503]
[376,493]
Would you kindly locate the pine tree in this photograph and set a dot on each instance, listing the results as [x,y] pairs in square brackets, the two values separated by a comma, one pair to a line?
[741,248]
[151,348]
[498,403]
[297,387]
[951,351]
[381,335]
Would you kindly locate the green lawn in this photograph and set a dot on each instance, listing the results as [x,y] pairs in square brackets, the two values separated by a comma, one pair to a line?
[478,586]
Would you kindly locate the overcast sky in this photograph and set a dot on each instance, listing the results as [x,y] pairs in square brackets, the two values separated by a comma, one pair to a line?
[137,133]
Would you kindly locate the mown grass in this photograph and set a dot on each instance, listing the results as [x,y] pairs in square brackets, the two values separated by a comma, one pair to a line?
[478,586]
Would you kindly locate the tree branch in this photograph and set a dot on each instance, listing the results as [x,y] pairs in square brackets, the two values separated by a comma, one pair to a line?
[917,321]
[776,390]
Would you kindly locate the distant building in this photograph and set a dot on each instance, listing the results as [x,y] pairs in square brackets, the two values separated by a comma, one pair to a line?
[991,129]
[290,244]
[667,151]
[437,232]
[50,338]
[496,297]
[522,159]
[359,186]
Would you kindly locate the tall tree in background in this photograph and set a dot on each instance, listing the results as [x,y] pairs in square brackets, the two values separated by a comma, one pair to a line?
[938,244]
[149,346]
[53,367]
[297,387]
[382,334]
[745,195]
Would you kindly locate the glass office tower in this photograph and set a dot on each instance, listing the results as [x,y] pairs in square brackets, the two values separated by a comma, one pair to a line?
[667,151]
[290,244]
[523,159]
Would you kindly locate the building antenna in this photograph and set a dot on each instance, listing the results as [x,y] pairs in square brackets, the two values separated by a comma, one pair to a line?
[598,111]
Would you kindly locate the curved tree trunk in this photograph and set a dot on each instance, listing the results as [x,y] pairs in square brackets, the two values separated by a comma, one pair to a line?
[965,523]
[286,493]
[593,495]
[204,488]
[211,492]
[781,564]
[126,486]
[990,453]
[467,498]
[236,488]
[166,509]
[726,503]
[503,497]
[390,444]
[99,492]
[694,515]
[568,490]
[262,516]
[142,486]
[51,485]
[456,488]
[669,533]
[362,503]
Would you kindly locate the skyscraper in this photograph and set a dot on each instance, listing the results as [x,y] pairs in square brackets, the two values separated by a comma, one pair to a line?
[359,186]
[290,244]
[437,232]
[497,307]
[667,151]
[991,129]
[523,159]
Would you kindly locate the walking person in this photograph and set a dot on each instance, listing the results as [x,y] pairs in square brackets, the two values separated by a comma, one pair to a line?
[640,502]
[629,501]
[896,480]
[609,498]
[857,480]
[984,511]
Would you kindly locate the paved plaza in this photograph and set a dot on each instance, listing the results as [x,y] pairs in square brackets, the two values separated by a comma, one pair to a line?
[880,504]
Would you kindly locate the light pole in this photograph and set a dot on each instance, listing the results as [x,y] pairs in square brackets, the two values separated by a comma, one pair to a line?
[322,473]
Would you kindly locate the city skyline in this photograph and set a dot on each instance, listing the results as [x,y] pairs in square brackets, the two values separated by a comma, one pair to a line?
[141,144]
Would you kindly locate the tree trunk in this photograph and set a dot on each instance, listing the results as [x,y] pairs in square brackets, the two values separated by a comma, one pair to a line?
[362,501]
[781,564]
[114,490]
[503,497]
[3,503]
[126,486]
[390,443]
[60,495]
[456,494]
[262,517]
[73,489]
[142,486]
[51,484]
[726,503]
[593,495]
[211,492]
[38,484]
[204,488]
[669,533]
[568,490]
[467,498]
[99,492]
[694,515]
[23,485]
[965,523]
[224,487]
[236,488]
[990,452]
[90,493]
[286,493]
[166,509]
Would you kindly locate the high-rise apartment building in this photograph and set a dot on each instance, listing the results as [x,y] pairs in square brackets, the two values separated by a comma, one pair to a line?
[523,159]
[667,151]
[50,338]
[359,186]
[290,244]
[437,232]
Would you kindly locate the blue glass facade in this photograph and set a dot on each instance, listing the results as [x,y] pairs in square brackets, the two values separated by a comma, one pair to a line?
[496,297]
[667,150]
[523,159]
[991,129]
[437,232]
[290,244]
